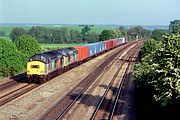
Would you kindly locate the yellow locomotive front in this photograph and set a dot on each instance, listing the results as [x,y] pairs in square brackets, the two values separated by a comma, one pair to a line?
[36,68]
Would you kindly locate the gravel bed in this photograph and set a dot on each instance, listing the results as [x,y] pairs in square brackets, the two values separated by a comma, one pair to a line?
[84,108]
[33,104]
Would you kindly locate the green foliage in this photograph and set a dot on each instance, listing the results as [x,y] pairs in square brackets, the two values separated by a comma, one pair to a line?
[157,79]
[92,37]
[28,45]
[149,46]
[16,32]
[108,34]
[55,35]
[85,32]
[167,66]
[10,58]
[75,36]
[138,32]
[161,70]
[123,31]
[175,27]
[42,34]
[157,34]
[2,33]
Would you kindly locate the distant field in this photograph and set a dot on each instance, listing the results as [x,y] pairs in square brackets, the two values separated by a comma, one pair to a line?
[93,29]
[8,29]
[56,46]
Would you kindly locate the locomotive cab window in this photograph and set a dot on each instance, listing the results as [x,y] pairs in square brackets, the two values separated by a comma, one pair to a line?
[34,66]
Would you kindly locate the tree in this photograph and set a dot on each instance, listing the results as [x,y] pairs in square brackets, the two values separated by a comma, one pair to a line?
[42,34]
[118,33]
[92,37]
[162,70]
[75,36]
[2,33]
[16,32]
[28,45]
[107,34]
[138,32]
[174,27]
[157,78]
[149,46]
[10,58]
[167,66]
[85,31]
[122,30]
[157,34]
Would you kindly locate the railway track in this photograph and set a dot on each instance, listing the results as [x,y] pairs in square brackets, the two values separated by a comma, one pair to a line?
[17,92]
[7,85]
[8,93]
[58,110]
[13,81]
[107,104]
[120,104]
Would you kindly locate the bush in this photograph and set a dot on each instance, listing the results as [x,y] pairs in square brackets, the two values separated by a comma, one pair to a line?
[10,58]
[28,45]
[157,78]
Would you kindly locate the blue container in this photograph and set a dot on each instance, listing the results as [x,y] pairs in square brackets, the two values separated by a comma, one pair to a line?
[103,46]
[99,47]
[94,48]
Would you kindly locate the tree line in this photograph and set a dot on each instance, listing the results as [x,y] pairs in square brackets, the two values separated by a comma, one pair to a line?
[53,35]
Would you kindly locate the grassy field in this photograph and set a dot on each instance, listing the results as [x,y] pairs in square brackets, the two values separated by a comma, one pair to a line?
[8,29]
[93,29]
[56,46]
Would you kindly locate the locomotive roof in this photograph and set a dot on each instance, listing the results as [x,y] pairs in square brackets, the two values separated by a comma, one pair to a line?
[70,49]
[46,56]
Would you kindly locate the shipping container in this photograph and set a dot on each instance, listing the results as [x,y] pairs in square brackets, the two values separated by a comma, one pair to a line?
[83,52]
[115,42]
[108,46]
[122,40]
[103,45]
[94,48]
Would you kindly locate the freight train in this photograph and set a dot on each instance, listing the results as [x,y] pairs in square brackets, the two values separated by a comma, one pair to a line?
[42,67]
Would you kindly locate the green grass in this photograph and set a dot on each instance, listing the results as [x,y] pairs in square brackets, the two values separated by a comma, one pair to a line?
[56,46]
[5,37]
[93,29]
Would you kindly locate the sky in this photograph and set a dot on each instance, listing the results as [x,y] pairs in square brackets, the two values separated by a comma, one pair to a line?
[121,12]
